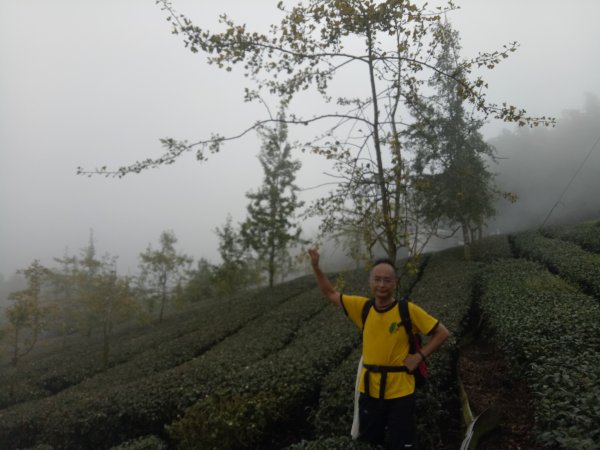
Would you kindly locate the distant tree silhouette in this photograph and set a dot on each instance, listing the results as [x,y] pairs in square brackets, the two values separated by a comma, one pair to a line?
[27,314]
[271,226]
[238,269]
[161,270]
[455,186]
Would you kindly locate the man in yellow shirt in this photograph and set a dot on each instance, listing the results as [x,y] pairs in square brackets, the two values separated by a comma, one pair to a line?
[387,385]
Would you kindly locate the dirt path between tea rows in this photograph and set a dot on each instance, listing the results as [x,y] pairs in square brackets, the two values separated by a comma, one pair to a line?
[487,382]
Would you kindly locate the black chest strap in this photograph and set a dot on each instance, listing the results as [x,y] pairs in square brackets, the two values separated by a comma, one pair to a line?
[383,370]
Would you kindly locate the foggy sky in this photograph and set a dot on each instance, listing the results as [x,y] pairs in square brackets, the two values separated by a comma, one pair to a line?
[87,83]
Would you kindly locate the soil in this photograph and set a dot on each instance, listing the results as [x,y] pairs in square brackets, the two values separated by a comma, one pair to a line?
[488,382]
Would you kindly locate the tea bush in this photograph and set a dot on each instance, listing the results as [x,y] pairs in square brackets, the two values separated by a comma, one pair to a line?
[445,291]
[256,371]
[243,412]
[331,443]
[491,248]
[586,235]
[564,258]
[549,333]
[143,443]
[107,415]
[335,410]
[332,416]
[138,351]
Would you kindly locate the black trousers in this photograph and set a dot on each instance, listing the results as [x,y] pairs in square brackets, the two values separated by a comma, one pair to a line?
[390,423]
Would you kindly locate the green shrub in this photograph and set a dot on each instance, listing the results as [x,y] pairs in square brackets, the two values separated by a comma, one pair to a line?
[548,331]
[111,412]
[331,443]
[243,412]
[491,248]
[226,420]
[143,443]
[586,235]
[445,291]
[564,258]
[280,357]
[335,411]
[140,351]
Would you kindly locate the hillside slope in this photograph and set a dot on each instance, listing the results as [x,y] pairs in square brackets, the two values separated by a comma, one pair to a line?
[276,368]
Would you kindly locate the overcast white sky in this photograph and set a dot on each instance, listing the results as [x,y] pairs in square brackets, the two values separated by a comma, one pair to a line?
[89,83]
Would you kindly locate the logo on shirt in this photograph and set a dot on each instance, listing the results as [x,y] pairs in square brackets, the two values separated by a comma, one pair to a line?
[395,327]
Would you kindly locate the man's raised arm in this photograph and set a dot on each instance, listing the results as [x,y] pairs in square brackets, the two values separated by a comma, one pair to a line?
[325,285]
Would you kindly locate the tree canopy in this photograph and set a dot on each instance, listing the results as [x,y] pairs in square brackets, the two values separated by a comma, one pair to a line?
[450,155]
[390,48]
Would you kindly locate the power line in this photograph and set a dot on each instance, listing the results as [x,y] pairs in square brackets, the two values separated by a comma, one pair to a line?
[570,182]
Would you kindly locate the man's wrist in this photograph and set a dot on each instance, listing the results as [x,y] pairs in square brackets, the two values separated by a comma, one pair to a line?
[422,355]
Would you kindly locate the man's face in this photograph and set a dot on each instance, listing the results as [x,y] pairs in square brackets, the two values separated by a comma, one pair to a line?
[383,281]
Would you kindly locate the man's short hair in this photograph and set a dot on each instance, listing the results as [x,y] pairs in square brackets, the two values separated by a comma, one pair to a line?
[383,261]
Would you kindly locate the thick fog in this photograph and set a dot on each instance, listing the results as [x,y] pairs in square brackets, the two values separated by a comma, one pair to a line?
[89,84]
[553,172]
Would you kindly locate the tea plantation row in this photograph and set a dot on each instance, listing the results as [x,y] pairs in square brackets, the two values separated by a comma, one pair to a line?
[277,369]
[586,234]
[138,351]
[97,414]
[565,258]
[549,332]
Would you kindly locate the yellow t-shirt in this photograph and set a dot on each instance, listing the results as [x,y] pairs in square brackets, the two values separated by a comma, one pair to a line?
[385,342]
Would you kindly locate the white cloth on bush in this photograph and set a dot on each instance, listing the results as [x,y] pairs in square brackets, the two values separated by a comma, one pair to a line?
[354,432]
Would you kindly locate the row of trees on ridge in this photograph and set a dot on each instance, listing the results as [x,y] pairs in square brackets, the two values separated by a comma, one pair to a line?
[84,292]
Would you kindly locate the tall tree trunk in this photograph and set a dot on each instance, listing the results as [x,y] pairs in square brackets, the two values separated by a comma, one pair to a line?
[388,222]
[271,268]
[467,240]
[64,334]
[107,328]
[163,300]
[106,346]
[479,231]
[15,358]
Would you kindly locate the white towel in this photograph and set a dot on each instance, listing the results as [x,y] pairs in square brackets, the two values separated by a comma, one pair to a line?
[354,432]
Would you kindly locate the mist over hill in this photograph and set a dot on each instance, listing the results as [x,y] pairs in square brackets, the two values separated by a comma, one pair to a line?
[553,171]
[539,164]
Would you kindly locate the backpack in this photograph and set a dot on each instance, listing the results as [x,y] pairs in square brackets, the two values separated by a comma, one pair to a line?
[414,340]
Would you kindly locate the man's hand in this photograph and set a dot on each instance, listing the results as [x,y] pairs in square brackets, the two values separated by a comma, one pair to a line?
[439,336]
[412,361]
[325,285]
[314,256]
